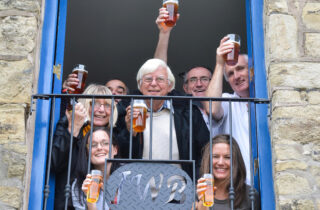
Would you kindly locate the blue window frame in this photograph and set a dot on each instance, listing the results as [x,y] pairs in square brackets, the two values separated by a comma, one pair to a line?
[52,53]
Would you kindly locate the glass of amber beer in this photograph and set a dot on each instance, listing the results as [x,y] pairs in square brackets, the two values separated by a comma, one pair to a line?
[208,195]
[172,7]
[232,57]
[139,123]
[94,187]
[82,73]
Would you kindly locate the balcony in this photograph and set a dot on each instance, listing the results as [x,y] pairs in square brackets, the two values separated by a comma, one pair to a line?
[150,183]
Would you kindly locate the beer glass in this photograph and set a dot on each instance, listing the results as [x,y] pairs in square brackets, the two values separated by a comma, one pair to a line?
[82,74]
[172,7]
[94,187]
[139,123]
[232,57]
[208,195]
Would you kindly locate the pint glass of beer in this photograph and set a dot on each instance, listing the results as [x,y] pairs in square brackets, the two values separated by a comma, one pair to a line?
[208,196]
[94,187]
[172,7]
[82,73]
[232,57]
[139,123]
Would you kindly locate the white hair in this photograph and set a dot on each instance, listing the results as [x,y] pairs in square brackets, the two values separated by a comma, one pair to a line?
[152,65]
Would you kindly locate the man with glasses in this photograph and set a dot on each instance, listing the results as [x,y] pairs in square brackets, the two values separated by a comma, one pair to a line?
[156,79]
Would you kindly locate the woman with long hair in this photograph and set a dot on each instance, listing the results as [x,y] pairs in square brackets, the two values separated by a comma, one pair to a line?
[101,109]
[99,152]
[221,173]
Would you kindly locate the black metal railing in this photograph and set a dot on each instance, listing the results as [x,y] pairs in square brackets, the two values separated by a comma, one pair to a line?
[188,99]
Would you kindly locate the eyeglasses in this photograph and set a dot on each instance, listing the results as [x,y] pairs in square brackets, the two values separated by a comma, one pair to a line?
[97,105]
[194,80]
[159,80]
[103,144]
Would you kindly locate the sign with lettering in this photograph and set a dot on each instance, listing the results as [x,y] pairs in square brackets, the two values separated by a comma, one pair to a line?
[149,186]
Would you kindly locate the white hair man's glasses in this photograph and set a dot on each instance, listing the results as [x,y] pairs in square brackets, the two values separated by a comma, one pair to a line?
[159,80]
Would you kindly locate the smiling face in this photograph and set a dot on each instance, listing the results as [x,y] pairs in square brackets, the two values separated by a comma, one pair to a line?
[155,83]
[102,111]
[100,148]
[197,81]
[238,77]
[221,161]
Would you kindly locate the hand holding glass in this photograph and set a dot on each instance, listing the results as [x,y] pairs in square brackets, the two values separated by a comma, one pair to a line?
[94,187]
[172,7]
[232,57]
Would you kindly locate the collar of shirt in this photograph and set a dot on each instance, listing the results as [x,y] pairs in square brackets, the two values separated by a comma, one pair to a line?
[166,105]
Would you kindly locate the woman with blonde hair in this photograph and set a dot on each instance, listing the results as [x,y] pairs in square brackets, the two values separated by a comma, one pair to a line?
[83,110]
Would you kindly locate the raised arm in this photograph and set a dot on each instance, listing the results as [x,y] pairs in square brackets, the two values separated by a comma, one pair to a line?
[216,84]
[164,35]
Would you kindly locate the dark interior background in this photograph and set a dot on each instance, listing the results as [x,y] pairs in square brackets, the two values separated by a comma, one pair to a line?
[113,38]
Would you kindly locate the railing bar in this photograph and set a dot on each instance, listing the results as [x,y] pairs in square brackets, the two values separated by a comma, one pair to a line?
[231,190]
[210,130]
[91,130]
[151,119]
[149,161]
[190,130]
[105,182]
[254,100]
[170,134]
[111,127]
[194,183]
[47,186]
[67,187]
[131,120]
[251,193]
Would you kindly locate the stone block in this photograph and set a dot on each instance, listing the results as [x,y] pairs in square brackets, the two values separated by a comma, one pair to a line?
[301,75]
[312,44]
[15,81]
[284,152]
[300,124]
[27,5]
[18,35]
[12,123]
[10,196]
[290,184]
[16,171]
[314,97]
[17,148]
[297,204]
[282,36]
[311,16]
[279,6]
[286,97]
[295,165]
[315,171]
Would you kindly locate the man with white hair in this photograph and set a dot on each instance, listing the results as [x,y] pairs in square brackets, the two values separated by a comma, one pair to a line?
[156,79]
[238,78]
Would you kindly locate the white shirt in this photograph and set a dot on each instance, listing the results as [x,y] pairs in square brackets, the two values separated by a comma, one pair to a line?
[240,127]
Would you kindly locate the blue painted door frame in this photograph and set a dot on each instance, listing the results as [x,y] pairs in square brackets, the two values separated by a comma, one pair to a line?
[52,53]
[52,50]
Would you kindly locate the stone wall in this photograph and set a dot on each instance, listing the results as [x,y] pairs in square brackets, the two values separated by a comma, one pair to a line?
[292,47]
[20,22]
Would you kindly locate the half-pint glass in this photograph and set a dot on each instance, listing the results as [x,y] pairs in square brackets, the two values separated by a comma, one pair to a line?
[94,187]
[208,197]
[139,123]
[232,57]
[172,7]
